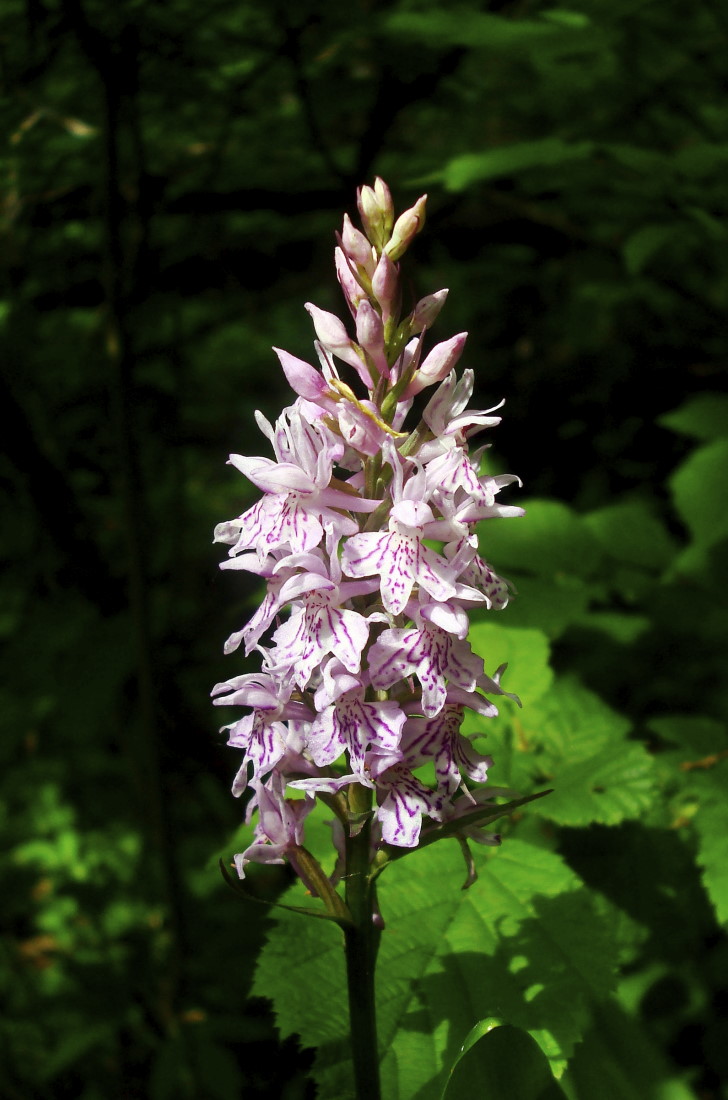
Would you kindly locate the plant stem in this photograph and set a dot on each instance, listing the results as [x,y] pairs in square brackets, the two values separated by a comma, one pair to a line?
[361,942]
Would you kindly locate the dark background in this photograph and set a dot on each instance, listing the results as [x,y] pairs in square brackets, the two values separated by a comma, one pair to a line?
[174,174]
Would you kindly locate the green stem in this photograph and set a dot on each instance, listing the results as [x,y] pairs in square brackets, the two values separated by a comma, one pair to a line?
[361,942]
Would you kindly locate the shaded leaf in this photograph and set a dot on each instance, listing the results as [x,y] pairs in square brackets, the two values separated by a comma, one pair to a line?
[550,539]
[631,533]
[641,246]
[617,1058]
[704,416]
[700,492]
[500,1062]
[509,160]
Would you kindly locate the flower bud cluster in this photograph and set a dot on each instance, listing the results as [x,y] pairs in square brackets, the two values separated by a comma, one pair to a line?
[364,538]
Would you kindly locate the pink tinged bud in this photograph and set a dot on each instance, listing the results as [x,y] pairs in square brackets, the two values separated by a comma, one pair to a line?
[352,288]
[385,286]
[302,377]
[426,311]
[406,229]
[438,364]
[329,329]
[377,212]
[334,337]
[356,246]
[370,334]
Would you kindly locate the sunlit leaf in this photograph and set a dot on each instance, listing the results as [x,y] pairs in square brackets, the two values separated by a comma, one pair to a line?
[525,651]
[524,942]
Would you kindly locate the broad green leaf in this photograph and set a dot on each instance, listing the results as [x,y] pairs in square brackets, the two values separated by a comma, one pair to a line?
[610,786]
[700,159]
[704,417]
[711,825]
[641,246]
[549,540]
[526,653]
[524,943]
[712,226]
[618,625]
[631,533]
[70,1048]
[509,160]
[550,605]
[645,161]
[566,18]
[572,723]
[704,780]
[572,741]
[500,1062]
[700,492]
[697,735]
[463,26]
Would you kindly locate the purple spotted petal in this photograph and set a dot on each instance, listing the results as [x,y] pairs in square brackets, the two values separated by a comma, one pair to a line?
[433,655]
[318,628]
[404,800]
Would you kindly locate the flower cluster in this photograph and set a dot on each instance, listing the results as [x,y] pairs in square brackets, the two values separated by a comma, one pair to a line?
[364,538]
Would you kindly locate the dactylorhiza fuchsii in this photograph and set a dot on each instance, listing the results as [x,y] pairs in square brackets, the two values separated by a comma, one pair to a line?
[364,537]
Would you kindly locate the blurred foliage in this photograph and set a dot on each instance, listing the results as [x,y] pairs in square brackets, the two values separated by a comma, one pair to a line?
[172,179]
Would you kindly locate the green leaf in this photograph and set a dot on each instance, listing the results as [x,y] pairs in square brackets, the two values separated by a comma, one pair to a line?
[526,652]
[704,780]
[711,825]
[704,417]
[617,1058]
[547,605]
[641,246]
[610,786]
[700,492]
[565,18]
[618,625]
[500,1062]
[509,160]
[577,745]
[572,723]
[466,27]
[701,159]
[630,533]
[550,540]
[649,162]
[525,943]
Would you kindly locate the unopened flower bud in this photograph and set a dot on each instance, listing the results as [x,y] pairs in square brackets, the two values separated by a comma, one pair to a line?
[406,229]
[385,286]
[370,334]
[377,212]
[356,246]
[437,364]
[334,337]
[426,311]
[353,290]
